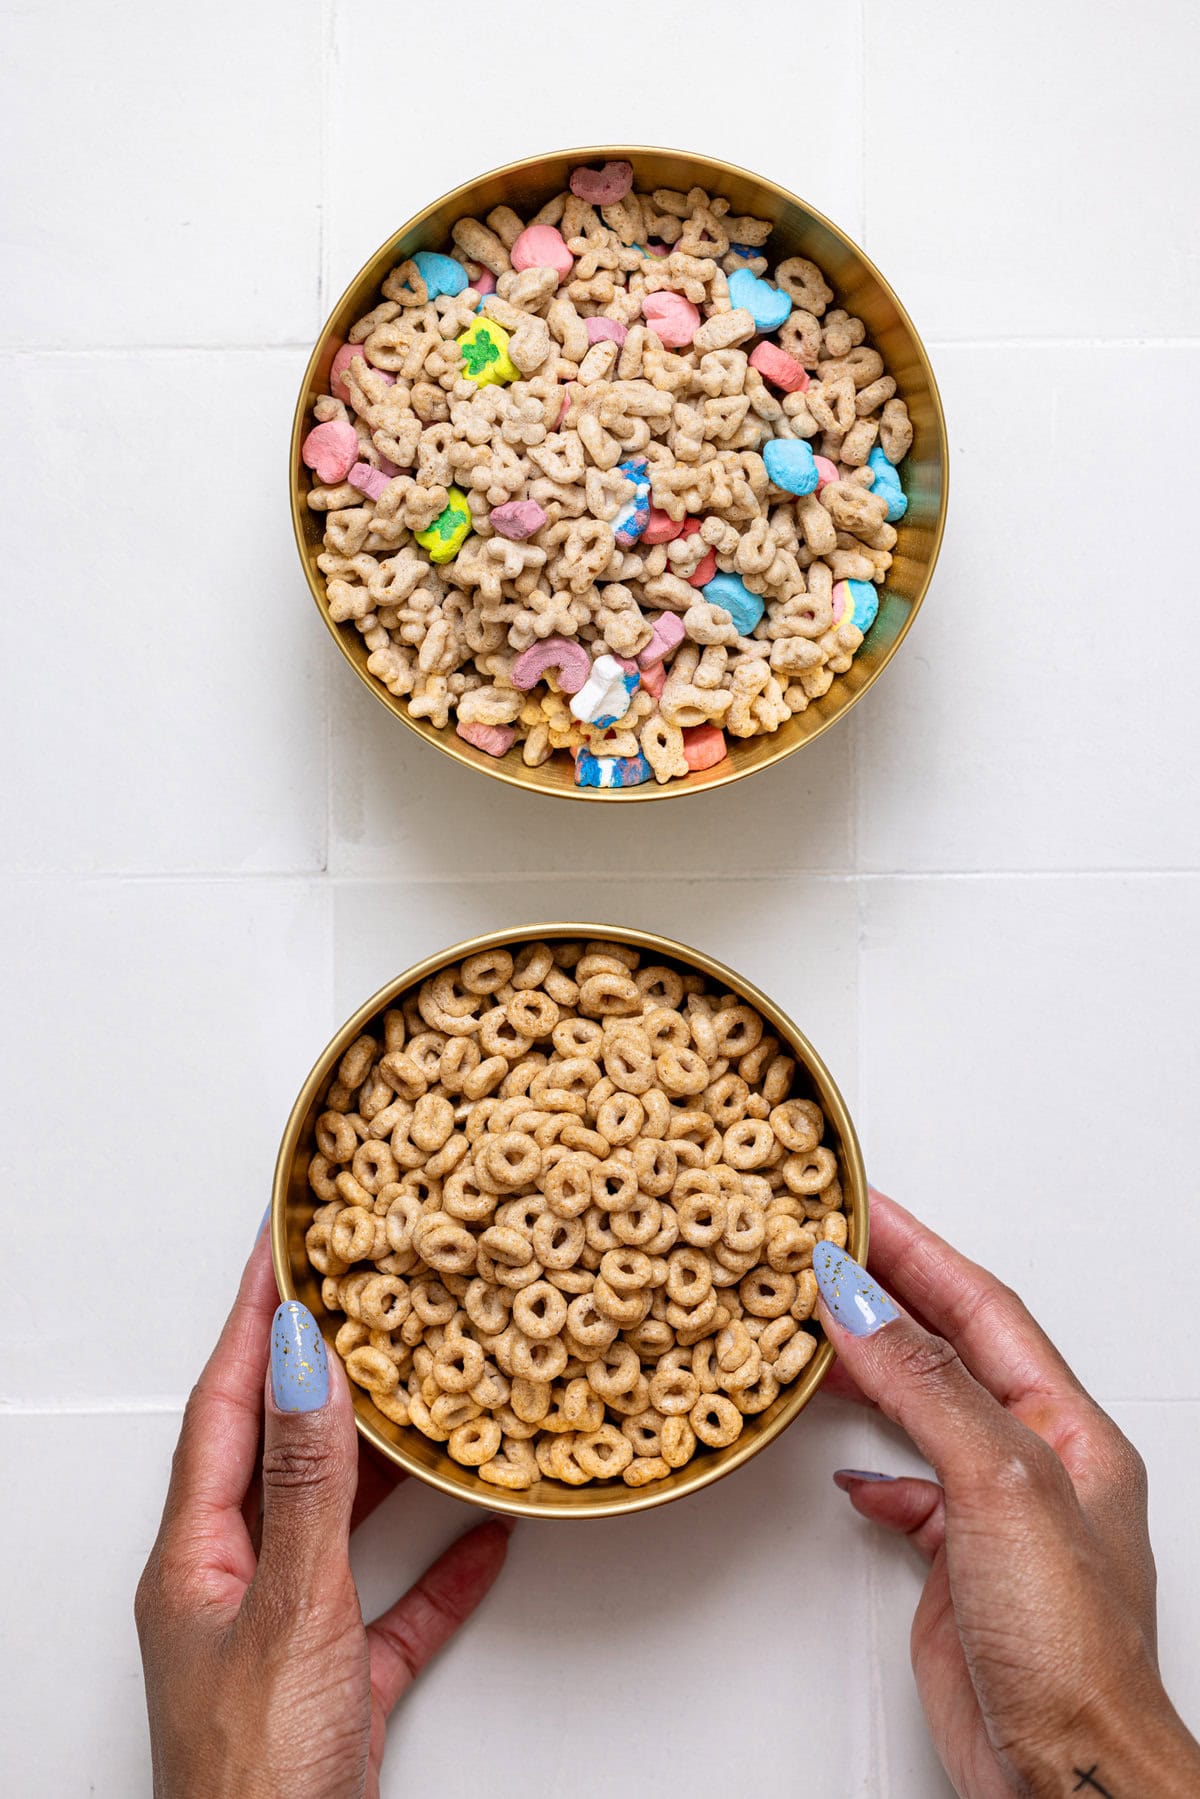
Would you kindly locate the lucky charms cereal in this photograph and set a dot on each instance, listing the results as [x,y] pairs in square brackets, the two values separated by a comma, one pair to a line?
[568,1204]
[605,476]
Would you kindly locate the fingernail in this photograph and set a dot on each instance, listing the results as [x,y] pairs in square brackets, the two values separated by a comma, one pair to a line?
[262,1223]
[299,1370]
[857,1302]
[843,1476]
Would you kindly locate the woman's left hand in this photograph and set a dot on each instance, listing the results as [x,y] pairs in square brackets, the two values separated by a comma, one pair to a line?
[261,1677]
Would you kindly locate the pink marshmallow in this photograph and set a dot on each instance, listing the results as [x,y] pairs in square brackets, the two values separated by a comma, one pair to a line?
[826,471]
[602,187]
[706,568]
[341,363]
[570,661]
[484,282]
[662,527]
[703,746]
[493,740]
[542,247]
[674,319]
[654,679]
[517,519]
[331,450]
[667,635]
[777,367]
[600,330]
[368,480]
[563,409]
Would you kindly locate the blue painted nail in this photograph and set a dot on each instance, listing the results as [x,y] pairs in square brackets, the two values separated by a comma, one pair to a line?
[299,1370]
[860,1474]
[856,1301]
[262,1223]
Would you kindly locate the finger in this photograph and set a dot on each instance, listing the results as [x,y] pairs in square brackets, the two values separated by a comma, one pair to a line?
[376,1479]
[914,1508]
[840,1384]
[218,1442]
[309,1461]
[411,1632]
[917,1380]
[996,1336]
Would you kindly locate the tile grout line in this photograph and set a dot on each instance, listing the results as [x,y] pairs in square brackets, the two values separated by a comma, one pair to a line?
[326,49]
[297,346]
[375,878]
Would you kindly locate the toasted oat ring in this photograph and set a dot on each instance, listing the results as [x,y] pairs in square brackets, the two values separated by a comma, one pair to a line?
[588,1327]
[626,1270]
[609,995]
[336,1137]
[444,1243]
[678,1441]
[384,1302]
[689,1276]
[656,1165]
[767,1294]
[539,1311]
[557,1242]
[457,1364]
[798,1124]
[629,1061]
[715,1420]
[682,1071]
[352,1236]
[531,966]
[538,1358]
[749,1144]
[665,1028]
[614,1371]
[568,1185]
[603,1453]
[475,1442]
[620,1118]
[487,971]
[371,1369]
[810,1173]
[509,1162]
[614,1186]
[532,1014]
[673,1391]
[701,1210]
[577,1036]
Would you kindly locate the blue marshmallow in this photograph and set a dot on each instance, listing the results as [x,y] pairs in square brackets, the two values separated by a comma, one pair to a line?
[441,274]
[887,482]
[745,608]
[791,465]
[769,306]
[610,771]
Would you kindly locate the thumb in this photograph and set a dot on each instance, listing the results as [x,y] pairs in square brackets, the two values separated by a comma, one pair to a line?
[310,1457]
[914,1377]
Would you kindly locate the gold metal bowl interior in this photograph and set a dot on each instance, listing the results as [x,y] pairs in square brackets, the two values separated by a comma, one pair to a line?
[859,287]
[293,1205]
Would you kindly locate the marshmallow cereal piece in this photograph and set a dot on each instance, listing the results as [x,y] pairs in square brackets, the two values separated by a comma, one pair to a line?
[857,601]
[777,367]
[341,363]
[654,679]
[666,635]
[517,519]
[703,746]
[603,186]
[611,771]
[542,247]
[493,740]
[706,568]
[661,527]
[485,358]
[570,662]
[887,483]
[604,696]
[634,515]
[768,306]
[441,274]
[744,608]
[826,471]
[444,538]
[672,317]
[368,480]
[331,450]
[790,465]
[601,330]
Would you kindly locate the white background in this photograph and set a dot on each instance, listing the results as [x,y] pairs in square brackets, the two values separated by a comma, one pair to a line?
[978,895]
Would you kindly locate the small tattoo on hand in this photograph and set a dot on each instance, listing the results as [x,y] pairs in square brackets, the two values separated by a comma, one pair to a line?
[1087,1778]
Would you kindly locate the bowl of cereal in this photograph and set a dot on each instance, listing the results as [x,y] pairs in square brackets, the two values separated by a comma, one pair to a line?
[552,1196]
[618,473]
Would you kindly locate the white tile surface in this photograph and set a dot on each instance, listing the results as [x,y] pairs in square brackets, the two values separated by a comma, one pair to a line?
[158,1034]
[164,682]
[648,77]
[170,161]
[1025,166]
[1040,715]
[216,844]
[1029,1069]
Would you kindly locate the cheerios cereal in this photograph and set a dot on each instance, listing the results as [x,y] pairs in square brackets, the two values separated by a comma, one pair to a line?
[568,1203]
[608,481]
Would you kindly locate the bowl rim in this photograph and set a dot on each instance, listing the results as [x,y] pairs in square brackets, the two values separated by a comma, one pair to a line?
[445,741]
[616,1499]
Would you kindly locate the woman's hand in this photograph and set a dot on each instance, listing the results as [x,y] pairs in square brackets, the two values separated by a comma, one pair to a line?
[260,1676]
[1033,1643]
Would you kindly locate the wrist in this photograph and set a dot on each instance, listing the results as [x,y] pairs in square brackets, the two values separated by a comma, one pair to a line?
[1124,1751]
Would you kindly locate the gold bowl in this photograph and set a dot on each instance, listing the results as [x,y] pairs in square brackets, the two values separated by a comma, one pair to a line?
[293,1204]
[860,288]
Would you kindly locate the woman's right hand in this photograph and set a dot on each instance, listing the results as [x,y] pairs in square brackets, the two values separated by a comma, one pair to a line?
[1033,1643]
